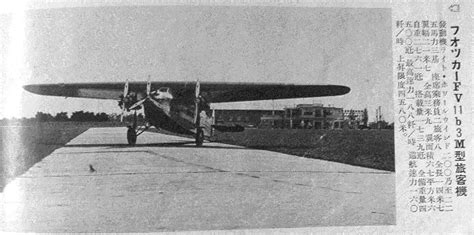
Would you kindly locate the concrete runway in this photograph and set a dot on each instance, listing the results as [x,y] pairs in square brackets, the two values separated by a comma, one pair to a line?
[164,183]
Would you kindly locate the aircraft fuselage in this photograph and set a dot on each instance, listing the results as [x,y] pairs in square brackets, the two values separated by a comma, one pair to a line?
[164,111]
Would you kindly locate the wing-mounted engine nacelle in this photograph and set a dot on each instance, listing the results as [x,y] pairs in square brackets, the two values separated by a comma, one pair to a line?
[128,100]
[164,93]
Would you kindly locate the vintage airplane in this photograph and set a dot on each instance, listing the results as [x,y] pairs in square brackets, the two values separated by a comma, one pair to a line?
[182,107]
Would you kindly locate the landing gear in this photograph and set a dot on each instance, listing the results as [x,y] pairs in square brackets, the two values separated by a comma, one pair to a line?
[134,131]
[199,136]
[131,136]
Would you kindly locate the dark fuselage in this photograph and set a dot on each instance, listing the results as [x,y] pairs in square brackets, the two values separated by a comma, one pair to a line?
[175,116]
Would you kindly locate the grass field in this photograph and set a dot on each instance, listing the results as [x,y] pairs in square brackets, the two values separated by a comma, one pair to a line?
[367,148]
[24,144]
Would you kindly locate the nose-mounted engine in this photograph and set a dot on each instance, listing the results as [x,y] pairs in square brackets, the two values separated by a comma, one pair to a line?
[133,101]
[163,93]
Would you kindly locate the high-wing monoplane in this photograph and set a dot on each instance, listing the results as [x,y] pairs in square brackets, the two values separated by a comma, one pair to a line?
[182,107]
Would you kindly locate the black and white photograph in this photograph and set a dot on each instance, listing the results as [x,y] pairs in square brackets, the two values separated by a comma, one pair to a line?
[123,117]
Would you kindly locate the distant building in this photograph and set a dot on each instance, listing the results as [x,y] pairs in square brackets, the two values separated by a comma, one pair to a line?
[244,117]
[313,116]
[303,116]
[358,114]
[354,118]
[272,121]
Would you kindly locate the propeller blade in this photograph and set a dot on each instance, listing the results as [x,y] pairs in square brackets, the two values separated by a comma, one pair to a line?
[125,89]
[196,103]
[138,103]
[148,86]
[125,93]
[198,88]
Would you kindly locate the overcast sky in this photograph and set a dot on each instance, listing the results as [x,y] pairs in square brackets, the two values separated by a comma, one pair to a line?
[340,46]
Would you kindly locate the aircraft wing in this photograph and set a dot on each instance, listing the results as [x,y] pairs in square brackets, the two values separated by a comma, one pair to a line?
[214,92]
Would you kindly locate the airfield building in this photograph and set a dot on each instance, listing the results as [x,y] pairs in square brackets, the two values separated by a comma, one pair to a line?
[245,117]
[314,116]
[353,118]
[357,114]
[302,116]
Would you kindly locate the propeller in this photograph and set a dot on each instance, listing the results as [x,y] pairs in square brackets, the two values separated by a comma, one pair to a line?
[140,102]
[196,103]
[148,87]
[148,91]
[125,93]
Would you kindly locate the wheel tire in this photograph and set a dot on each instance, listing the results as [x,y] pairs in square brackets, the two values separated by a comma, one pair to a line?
[199,137]
[131,136]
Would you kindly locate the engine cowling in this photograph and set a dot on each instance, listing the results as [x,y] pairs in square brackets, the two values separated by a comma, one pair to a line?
[127,101]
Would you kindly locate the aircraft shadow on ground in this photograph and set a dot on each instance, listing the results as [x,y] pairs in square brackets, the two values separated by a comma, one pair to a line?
[183,144]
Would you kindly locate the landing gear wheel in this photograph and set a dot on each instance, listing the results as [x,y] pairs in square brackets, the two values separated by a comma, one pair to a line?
[131,136]
[199,137]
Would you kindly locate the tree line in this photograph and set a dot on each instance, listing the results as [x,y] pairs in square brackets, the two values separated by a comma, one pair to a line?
[78,116]
[81,116]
